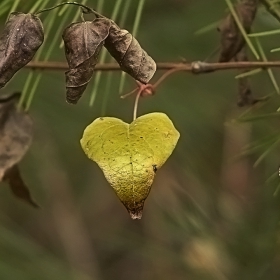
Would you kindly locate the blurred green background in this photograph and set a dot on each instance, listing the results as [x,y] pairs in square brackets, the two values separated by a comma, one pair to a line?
[211,213]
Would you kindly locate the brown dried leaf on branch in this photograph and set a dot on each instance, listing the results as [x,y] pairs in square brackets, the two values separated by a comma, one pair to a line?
[83,43]
[16,136]
[22,36]
[245,95]
[17,185]
[130,55]
[232,40]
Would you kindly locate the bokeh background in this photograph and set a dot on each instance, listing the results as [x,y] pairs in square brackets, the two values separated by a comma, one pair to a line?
[213,211]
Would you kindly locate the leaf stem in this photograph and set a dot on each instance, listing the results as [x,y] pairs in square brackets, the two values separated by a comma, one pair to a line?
[136,105]
[87,10]
[164,76]
[128,94]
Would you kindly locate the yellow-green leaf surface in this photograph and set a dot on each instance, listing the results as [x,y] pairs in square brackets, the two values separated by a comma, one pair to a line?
[130,154]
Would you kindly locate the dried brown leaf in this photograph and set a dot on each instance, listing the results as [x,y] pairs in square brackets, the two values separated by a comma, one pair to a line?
[245,96]
[22,36]
[129,54]
[15,140]
[232,41]
[83,43]
[18,187]
[15,134]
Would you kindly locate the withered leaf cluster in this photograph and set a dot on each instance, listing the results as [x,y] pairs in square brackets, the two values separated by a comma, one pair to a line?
[232,40]
[83,42]
[16,136]
[22,36]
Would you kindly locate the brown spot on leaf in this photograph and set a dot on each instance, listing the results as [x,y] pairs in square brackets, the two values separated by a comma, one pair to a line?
[155,168]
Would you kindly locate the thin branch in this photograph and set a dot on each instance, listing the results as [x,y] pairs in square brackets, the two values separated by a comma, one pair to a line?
[128,94]
[196,67]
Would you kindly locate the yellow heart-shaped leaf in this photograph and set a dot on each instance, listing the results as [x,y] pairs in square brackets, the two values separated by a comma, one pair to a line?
[130,154]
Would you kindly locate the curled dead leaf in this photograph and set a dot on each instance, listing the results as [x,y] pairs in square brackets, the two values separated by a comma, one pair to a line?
[83,43]
[15,140]
[129,54]
[13,178]
[22,36]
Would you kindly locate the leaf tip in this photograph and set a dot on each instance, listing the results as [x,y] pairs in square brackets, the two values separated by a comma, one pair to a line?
[33,203]
[135,210]
[135,215]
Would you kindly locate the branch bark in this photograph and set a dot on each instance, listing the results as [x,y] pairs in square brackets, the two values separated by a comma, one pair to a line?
[196,67]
